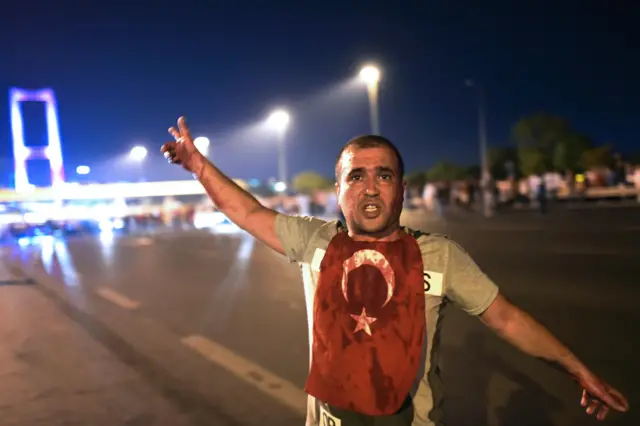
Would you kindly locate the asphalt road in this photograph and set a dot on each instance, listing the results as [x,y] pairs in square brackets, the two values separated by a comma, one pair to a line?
[209,328]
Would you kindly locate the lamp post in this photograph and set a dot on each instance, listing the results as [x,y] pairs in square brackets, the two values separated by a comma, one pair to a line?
[138,154]
[370,75]
[279,121]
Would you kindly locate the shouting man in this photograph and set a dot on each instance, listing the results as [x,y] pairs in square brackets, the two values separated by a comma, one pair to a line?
[375,289]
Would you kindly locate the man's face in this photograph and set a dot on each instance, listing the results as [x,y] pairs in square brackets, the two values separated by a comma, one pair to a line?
[370,190]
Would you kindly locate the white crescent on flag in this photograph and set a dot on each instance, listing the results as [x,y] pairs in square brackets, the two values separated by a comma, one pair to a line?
[373,258]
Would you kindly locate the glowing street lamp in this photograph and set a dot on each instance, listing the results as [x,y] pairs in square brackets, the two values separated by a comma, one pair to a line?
[280,186]
[370,75]
[202,144]
[279,121]
[83,170]
[138,153]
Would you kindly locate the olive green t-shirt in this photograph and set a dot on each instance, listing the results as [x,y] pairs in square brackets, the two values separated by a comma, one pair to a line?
[450,275]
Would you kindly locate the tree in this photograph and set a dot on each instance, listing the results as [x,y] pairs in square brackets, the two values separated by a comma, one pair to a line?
[309,182]
[568,152]
[531,161]
[472,171]
[543,133]
[416,180]
[600,156]
[498,157]
[634,158]
[446,171]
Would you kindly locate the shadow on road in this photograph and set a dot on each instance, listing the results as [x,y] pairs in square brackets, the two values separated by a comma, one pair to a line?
[472,397]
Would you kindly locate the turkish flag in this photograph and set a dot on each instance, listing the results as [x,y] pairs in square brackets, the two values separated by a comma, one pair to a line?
[368,324]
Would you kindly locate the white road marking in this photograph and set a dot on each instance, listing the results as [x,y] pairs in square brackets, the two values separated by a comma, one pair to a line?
[118,299]
[276,387]
[136,241]
[141,241]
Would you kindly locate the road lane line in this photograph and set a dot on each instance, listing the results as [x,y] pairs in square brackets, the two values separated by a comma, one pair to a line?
[267,382]
[117,298]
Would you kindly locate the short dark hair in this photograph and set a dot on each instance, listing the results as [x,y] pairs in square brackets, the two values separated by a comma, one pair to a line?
[371,141]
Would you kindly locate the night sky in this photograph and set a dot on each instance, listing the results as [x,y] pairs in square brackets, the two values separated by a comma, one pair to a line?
[123,72]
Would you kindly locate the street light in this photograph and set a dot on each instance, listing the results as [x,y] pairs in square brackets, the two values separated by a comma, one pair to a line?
[370,75]
[83,170]
[482,125]
[279,121]
[202,144]
[485,178]
[138,153]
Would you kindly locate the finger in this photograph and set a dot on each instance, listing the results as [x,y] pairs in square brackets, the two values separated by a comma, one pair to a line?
[174,132]
[602,414]
[593,406]
[169,146]
[169,154]
[184,130]
[584,400]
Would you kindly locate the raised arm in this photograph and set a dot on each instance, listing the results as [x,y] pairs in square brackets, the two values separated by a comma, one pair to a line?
[237,204]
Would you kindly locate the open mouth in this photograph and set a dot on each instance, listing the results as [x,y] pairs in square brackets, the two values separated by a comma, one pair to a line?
[371,209]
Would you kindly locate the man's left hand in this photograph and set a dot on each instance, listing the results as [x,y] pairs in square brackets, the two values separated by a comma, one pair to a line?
[599,398]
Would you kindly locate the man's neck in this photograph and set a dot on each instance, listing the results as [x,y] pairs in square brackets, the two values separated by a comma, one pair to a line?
[392,234]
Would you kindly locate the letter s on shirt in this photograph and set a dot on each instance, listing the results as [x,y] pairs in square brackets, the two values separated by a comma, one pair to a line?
[433,283]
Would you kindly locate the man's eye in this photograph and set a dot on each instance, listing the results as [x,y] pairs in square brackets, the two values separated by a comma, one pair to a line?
[356,177]
[385,176]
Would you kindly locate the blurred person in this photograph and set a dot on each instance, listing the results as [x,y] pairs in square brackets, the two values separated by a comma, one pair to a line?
[543,197]
[304,204]
[534,182]
[636,181]
[489,188]
[431,199]
[375,291]
[471,192]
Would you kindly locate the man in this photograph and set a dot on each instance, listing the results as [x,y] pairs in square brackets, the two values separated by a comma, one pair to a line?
[374,293]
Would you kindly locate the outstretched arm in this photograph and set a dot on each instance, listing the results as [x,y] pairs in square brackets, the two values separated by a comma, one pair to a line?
[471,289]
[524,332]
[237,204]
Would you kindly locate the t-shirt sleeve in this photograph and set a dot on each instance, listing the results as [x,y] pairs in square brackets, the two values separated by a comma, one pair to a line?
[466,285]
[295,232]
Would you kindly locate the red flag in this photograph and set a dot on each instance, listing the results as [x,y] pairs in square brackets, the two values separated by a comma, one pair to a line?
[369,324]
